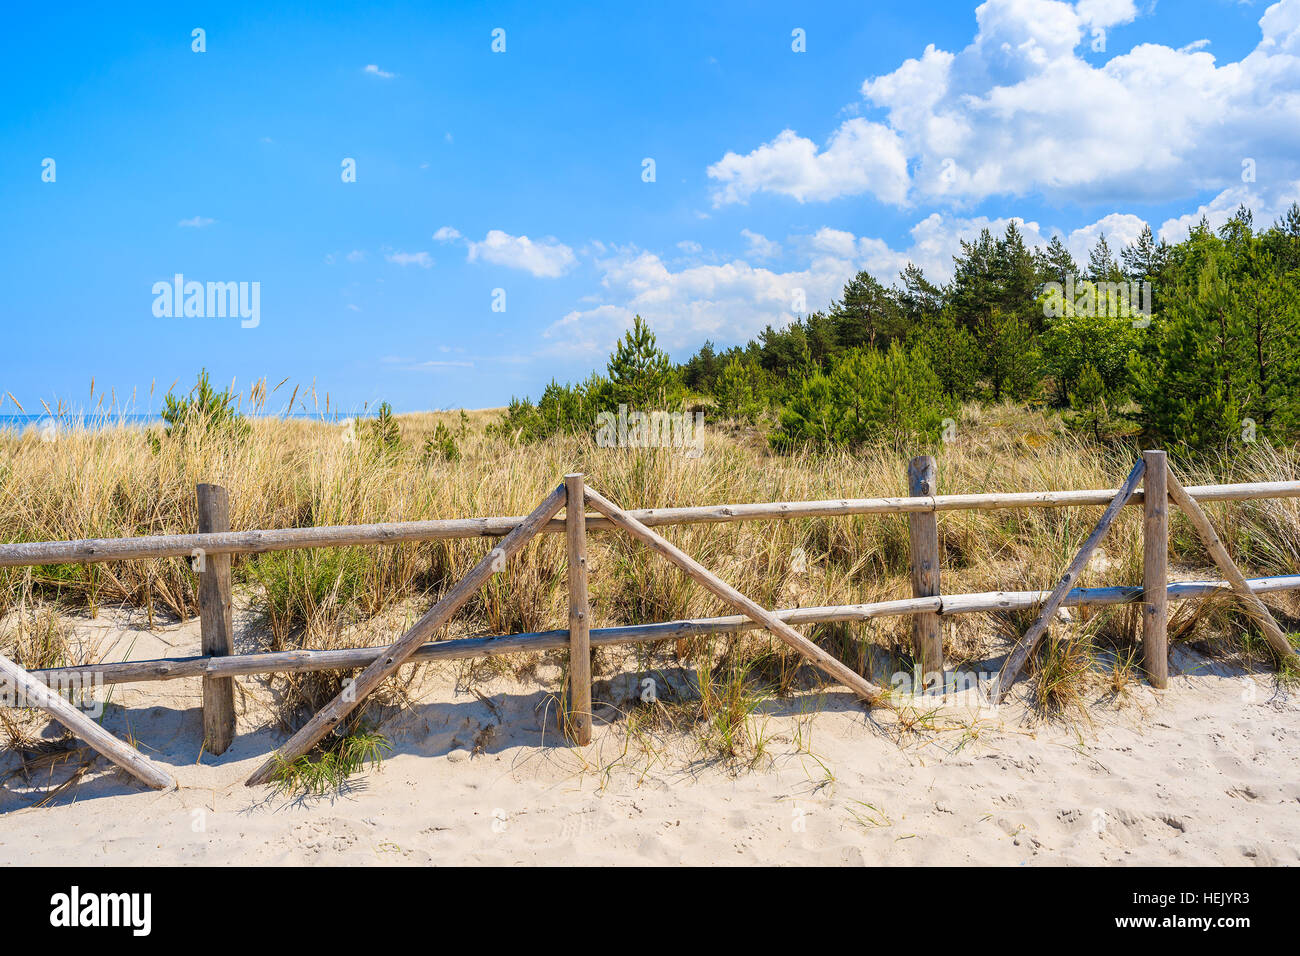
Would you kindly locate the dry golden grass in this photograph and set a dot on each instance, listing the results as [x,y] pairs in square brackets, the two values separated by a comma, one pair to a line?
[123,481]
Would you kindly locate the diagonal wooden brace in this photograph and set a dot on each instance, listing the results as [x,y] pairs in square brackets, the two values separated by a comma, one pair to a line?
[328,717]
[1015,661]
[35,693]
[1254,606]
[830,666]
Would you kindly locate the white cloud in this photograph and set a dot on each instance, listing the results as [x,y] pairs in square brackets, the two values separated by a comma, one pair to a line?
[421,259]
[859,157]
[356,255]
[544,258]
[195,222]
[690,247]
[1281,28]
[376,71]
[761,247]
[1022,110]
[1120,230]
[729,302]
[1106,13]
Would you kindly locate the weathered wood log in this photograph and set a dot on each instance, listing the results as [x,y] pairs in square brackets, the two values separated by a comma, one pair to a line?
[1155,569]
[302,661]
[829,665]
[923,548]
[329,716]
[575,515]
[1015,661]
[216,624]
[30,692]
[1254,606]
[94,550]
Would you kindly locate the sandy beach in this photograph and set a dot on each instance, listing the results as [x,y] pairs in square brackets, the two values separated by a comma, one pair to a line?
[1200,774]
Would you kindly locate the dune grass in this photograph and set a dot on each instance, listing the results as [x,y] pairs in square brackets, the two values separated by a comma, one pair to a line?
[122,481]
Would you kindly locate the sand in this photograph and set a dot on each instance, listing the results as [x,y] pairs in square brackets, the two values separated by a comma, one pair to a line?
[1204,773]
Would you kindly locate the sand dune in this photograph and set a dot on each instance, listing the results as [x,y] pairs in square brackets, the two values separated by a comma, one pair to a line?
[1205,773]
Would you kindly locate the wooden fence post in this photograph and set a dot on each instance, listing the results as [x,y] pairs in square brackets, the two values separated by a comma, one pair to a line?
[216,626]
[575,519]
[923,540]
[1155,568]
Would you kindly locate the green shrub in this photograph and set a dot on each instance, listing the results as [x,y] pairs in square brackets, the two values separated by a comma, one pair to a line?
[441,446]
[737,391]
[890,397]
[382,434]
[203,410]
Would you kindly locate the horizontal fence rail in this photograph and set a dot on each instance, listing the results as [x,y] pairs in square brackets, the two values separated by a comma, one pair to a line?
[300,661]
[928,606]
[93,550]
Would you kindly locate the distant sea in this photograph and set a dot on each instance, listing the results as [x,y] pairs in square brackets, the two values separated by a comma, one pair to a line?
[131,419]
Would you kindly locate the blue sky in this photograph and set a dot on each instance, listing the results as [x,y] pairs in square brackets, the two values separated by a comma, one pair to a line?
[900,128]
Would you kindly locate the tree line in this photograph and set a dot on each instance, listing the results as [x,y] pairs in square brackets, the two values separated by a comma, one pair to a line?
[1193,345]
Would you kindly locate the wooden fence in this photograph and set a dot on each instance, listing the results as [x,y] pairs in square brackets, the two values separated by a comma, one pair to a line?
[1150,484]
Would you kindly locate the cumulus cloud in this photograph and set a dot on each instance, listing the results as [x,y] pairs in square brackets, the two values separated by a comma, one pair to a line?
[545,258]
[1020,111]
[1106,13]
[446,234]
[860,157]
[727,302]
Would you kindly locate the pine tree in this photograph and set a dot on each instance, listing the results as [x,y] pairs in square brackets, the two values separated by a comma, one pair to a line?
[701,370]
[866,314]
[1016,271]
[1011,359]
[641,375]
[1283,240]
[1101,263]
[1143,260]
[1088,403]
[1188,388]
[952,352]
[737,392]
[976,289]
[919,299]
[1056,264]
